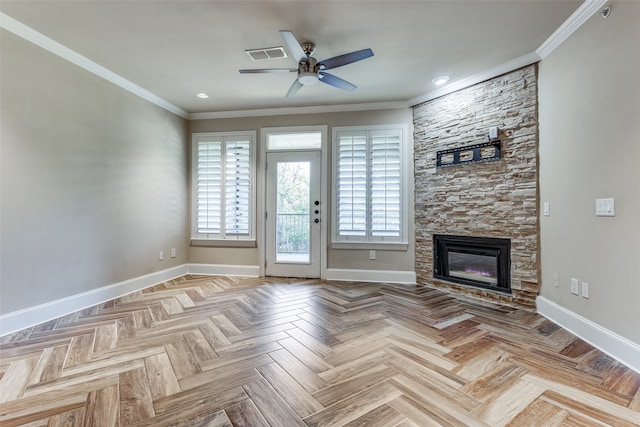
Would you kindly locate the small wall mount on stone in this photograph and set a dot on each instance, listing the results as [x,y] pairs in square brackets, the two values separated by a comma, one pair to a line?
[484,152]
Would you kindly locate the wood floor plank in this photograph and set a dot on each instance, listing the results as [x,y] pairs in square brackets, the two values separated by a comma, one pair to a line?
[593,409]
[495,382]
[382,416]
[415,412]
[502,409]
[72,418]
[199,346]
[103,407]
[246,414]
[300,400]
[272,407]
[106,337]
[306,356]
[363,380]
[182,361]
[435,404]
[80,350]
[162,378]
[136,403]
[18,413]
[355,406]
[16,378]
[227,372]
[305,376]
[354,367]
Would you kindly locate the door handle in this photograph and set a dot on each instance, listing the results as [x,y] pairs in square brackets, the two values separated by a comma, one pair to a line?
[317,220]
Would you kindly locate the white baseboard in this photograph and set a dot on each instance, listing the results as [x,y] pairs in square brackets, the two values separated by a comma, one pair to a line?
[603,339]
[224,270]
[31,316]
[387,276]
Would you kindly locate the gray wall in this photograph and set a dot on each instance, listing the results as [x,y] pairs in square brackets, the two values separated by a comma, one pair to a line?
[93,180]
[336,258]
[589,94]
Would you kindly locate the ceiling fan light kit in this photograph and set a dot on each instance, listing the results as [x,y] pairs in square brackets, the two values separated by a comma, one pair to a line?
[310,70]
[308,78]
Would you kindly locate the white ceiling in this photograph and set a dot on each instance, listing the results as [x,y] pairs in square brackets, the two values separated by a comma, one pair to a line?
[176,49]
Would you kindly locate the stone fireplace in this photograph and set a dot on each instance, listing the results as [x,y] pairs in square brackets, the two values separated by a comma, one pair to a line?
[485,200]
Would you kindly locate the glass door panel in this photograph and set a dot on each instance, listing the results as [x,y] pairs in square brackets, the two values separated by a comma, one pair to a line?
[293,225]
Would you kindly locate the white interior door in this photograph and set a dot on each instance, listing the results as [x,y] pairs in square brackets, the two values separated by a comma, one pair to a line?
[293,214]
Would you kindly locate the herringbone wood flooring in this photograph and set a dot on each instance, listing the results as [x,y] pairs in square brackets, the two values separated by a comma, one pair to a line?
[283,352]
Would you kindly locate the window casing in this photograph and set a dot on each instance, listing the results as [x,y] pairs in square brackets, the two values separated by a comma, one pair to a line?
[369,197]
[223,182]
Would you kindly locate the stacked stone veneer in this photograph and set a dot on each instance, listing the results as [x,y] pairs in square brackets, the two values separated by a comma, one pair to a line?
[491,199]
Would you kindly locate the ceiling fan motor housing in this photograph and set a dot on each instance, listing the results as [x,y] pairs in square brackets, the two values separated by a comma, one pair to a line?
[308,71]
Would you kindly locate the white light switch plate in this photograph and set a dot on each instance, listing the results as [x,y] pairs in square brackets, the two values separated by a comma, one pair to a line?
[605,207]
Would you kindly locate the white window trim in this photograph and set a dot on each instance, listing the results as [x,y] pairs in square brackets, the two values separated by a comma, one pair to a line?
[400,244]
[228,240]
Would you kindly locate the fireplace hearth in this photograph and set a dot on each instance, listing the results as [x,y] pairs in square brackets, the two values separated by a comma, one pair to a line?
[483,262]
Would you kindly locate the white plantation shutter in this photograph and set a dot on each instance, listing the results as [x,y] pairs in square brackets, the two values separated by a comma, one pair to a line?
[209,181]
[368,178]
[385,178]
[351,189]
[223,183]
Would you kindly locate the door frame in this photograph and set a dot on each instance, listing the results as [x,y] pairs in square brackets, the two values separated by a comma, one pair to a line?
[262,192]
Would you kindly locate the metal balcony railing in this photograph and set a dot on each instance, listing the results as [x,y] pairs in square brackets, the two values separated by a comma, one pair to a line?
[292,233]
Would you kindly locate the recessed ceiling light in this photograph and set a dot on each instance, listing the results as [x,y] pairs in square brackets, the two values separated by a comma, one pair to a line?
[202,95]
[440,80]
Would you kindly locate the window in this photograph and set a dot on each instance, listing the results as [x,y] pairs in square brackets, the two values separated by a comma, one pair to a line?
[369,185]
[223,175]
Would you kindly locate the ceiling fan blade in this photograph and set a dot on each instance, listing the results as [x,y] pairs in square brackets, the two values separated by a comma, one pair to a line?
[334,81]
[347,58]
[295,87]
[293,45]
[268,70]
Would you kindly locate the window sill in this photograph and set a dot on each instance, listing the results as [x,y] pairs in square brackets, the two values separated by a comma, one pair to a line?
[219,243]
[372,245]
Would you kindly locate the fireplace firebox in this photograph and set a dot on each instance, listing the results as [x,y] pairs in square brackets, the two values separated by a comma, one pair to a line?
[483,262]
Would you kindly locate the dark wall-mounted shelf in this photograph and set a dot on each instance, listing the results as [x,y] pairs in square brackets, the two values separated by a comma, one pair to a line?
[485,152]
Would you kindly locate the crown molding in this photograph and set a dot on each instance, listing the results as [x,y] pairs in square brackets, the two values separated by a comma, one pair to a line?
[568,27]
[492,72]
[39,39]
[392,105]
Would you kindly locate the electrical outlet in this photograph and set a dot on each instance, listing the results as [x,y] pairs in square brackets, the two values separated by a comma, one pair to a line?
[173,252]
[372,254]
[160,255]
[574,286]
[585,290]
[556,280]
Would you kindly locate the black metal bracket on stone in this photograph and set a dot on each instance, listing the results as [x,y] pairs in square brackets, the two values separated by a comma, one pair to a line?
[485,152]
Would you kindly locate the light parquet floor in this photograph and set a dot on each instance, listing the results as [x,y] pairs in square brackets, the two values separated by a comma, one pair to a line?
[221,351]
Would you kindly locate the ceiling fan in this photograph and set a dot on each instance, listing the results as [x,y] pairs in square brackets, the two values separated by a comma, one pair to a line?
[310,70]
